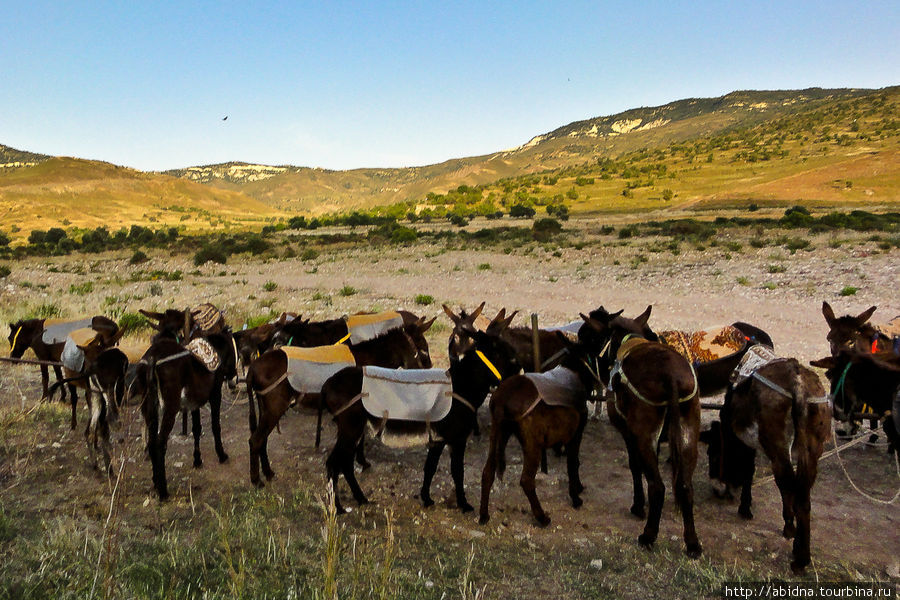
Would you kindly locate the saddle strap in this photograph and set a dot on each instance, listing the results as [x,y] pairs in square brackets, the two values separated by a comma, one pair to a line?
[532,407]
[353,401]
[624,379]
[176,356]
[464,402]
[553,358]
[274,385]
[771,385]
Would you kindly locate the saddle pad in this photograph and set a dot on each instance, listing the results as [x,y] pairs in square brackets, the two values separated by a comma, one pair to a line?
[56,332]
[310,368]
[82,337]
[756,357]
[134,352]
[208,319]
[407,394]
[558,387]
[72,356]
[705,346]
[205,353]
[366,327]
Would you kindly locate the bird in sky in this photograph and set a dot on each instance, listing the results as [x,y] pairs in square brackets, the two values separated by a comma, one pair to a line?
[225,118]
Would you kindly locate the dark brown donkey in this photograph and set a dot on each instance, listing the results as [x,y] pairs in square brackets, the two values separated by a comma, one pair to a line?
[175,380]
[541,411]
[856,332]
[267,381]
[471,378]
[782,410]
[859,378]
[28,333]
[650,381]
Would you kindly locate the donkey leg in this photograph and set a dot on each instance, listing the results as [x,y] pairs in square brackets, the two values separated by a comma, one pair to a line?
[350,476]
[431,464]
[258,440]
[184,419]
[45,383]
[573,462]
[786,482]
[215,416]
[488,473]
[361,454]
[747,490]
[332,471]
[656,490]
[634,465]
[73,398]
[158,452]
[530,463]
[457,467]
[684,486]
[801,511]
[197,430]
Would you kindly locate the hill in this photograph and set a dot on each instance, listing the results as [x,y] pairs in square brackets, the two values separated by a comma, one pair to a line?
[53,191]
[565,154]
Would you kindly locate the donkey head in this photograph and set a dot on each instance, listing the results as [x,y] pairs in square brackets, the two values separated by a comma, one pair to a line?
[603,332]
[171,324]
[416,331]
[20,335]
[849,331]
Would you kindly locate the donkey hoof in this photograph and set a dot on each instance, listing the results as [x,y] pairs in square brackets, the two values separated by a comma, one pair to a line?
[223,458]
[427,501]
[646,540]
[577,502]
[483,518]
[364,466]
[694,550]
[466,507]
[361,501]
[258,484]
[789,531]
[198,463]
[638,511]
[543,520]
[745,512]
[799,566]
[270,475]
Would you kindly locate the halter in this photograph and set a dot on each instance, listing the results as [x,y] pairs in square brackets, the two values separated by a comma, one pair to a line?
[840,384]
[15,337]
[489,365]
[340,341]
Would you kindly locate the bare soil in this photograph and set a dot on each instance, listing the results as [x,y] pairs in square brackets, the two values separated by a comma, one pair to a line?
[46,470]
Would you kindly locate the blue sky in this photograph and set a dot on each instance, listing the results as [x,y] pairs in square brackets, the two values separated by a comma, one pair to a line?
[354,84]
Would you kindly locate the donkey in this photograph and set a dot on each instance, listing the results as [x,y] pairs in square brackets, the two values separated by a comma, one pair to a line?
[859,378]
[106,371]
[856,332]
[542,411]
[782,410]
[177,380]
[650,382]
[520,338]
[28,333]
[472,376]
[267,380]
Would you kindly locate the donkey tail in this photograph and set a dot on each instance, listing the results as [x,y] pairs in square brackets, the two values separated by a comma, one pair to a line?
[800,418]
[676,439]
[52,389]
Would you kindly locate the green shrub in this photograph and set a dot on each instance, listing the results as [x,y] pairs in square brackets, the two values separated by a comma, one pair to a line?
[4,271]
[348,290]
[47,311]
[138,257]
[309,254]
[80,289]
[270,286]
[424,299]
[849,290]
[484,267]
[776,268]
[131,322]
[210,253]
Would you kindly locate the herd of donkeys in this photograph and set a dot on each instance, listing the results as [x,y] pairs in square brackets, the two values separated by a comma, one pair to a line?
[374,372]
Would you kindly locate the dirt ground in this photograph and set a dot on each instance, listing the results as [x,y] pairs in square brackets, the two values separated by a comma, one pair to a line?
[696,289]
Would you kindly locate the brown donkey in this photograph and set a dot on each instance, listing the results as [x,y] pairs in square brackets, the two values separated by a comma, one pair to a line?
[267,380]
[856,332]
[650,382]
[781,409]
[471,376]
[542,411]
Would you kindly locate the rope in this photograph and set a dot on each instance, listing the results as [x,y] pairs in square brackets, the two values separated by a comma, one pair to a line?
[847,475]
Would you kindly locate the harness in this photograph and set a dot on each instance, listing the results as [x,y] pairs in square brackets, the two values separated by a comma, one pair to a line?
[618,370]
[15,337]
[489,364]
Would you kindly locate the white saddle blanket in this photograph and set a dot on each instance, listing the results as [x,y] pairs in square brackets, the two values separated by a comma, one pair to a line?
[558,387]
[72,356]
[756,357]
[367,327]
[310,368]
[407,394]
[58,332]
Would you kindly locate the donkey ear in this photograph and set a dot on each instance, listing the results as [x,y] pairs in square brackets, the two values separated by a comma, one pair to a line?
[828,313]
[642,318]
[453,317]
[425,325]
[151,315]
[829,362]
[508,320]
[865,315]
[476,312]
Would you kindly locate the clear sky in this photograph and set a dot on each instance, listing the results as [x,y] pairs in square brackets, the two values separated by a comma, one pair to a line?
[385,84]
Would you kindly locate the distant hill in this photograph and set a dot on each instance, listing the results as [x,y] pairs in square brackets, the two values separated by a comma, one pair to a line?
[818,147]
[307,190]
[55,191]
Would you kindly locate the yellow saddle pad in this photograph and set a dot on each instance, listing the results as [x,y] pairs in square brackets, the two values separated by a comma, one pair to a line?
[320,354]
[705,346]
[367,327]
